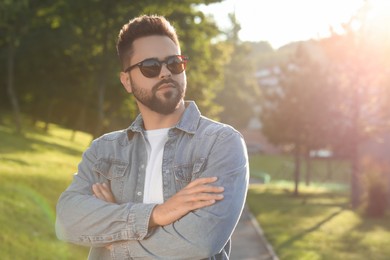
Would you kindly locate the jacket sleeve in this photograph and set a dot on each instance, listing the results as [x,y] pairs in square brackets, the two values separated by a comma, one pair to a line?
[202,233]
[85,220]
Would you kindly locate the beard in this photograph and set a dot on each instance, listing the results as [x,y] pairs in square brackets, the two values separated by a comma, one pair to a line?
[165,103]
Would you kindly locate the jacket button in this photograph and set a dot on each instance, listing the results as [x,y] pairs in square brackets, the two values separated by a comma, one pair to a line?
[139,193]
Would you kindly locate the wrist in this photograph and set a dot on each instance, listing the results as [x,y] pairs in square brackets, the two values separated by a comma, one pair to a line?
[153,220]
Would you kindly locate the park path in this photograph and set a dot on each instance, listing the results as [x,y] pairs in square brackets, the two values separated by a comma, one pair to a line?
[248,240]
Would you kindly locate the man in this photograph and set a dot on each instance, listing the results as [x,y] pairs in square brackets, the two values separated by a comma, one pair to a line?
[172,185]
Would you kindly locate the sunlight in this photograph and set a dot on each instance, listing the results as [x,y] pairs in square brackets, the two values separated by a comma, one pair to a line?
[378,21]
[296,20]
[280,22]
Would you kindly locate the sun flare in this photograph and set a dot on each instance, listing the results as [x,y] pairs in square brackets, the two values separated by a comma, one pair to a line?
[280,22]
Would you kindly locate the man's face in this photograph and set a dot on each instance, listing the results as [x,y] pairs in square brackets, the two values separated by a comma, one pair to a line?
[163,93]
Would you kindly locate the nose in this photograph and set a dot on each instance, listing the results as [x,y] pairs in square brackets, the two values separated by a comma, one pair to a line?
[165,72]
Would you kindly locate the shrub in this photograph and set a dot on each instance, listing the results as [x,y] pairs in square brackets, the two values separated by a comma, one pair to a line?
[376,187]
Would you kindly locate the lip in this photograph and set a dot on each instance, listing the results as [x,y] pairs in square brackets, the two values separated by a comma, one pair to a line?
[165,86]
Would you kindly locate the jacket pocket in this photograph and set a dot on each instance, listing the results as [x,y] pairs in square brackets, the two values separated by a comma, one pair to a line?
[111,169]
[113,173]
[185,173]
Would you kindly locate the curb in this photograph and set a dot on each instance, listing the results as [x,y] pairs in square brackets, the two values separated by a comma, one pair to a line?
[260,233]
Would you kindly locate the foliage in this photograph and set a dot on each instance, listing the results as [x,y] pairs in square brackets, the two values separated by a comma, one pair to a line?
[360,81]
[296,112]
[333,95]
[264,56]
[376,186]
[240,92]
[66,62]
[317,225]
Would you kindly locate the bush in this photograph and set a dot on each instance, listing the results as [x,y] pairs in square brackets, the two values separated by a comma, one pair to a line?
[376,187]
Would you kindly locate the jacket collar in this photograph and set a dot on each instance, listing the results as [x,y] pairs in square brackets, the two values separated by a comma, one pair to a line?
[188,122]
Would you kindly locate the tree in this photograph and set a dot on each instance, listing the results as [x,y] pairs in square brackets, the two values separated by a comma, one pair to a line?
[13,23]
[69,70]
[358,71]
[295,113]
[240,91]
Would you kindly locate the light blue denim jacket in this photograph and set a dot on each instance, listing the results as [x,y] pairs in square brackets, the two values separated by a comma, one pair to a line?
[196,147]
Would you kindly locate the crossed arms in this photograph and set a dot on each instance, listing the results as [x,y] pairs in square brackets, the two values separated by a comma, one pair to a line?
[198,194]
[194,223]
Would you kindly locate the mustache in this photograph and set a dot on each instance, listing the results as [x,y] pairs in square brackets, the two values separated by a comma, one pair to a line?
[165,81]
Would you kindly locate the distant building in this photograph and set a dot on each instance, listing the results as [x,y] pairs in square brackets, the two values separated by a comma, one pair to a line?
[254,138]
[257,143]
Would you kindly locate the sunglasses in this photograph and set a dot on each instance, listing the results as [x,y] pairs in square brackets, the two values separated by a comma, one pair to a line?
[151,68]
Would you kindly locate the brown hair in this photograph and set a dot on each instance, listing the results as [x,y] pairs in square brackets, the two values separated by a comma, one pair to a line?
[142,26]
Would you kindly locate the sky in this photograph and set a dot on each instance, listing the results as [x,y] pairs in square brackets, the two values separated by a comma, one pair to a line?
[283,21]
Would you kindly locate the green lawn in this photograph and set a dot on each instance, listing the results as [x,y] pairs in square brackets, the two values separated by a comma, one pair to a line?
[281,168]
[319,223]
[34,169]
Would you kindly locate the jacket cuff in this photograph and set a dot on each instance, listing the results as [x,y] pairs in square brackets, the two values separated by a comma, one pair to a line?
[138,220]
[119,250]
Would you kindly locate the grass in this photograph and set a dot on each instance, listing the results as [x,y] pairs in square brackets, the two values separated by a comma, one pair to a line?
[281,168]
[34,169]
[319,223]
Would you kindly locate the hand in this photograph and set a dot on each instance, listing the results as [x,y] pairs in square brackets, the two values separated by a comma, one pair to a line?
[102,191]
[197,194]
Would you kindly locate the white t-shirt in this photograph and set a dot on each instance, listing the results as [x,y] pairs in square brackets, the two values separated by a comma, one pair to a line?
[153,189]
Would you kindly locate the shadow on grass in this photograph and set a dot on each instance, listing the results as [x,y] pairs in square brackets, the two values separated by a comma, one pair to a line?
[368,237]
[291,222]
[283,203]
[11,142]
[13,160]
[371,223]
[309,230]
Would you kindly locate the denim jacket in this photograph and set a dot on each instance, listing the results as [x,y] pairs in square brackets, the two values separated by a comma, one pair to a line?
[196,147]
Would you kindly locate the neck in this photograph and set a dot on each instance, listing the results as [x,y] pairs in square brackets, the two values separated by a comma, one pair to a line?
[153,120]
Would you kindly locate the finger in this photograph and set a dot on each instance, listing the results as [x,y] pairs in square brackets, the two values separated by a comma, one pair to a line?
[168,212]
[200,204]
[201,181]
[97,191]
[195,201]
[106,191]
[103,192]
[203,197]
[203,189]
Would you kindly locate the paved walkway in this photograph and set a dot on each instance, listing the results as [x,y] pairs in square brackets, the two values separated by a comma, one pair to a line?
[248,241]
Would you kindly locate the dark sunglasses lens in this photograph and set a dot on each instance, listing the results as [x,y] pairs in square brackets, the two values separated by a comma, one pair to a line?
[150,68]
[176,64]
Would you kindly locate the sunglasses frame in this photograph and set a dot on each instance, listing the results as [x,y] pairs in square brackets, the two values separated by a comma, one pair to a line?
[183,58]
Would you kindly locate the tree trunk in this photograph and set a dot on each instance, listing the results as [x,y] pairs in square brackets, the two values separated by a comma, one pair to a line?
[101,116]
[308,169]
[356,189]
[103,77]
[297,171]
[329,170]
[11,88]
[48,116]
[355,139]
[80,124]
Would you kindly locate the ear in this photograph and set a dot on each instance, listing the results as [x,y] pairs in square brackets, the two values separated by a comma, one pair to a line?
[125,79]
